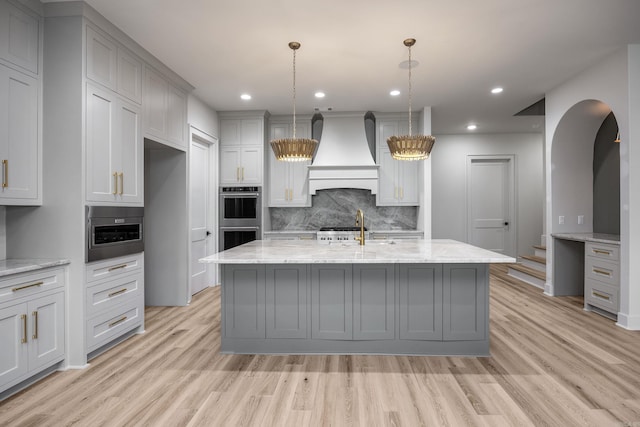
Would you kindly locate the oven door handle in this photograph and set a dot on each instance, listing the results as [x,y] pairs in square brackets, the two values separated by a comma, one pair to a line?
[257,227]
[238,195]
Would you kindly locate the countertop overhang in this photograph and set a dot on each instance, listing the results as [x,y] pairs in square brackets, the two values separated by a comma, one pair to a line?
[613,239]
[373,252]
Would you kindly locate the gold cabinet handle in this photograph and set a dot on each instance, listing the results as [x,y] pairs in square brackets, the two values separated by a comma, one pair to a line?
[115,183]
[120,320]
[305,237]
[121,291]
[5,174]
[117,267]
[242,173]
[602,252]
[35,325]
[290,194]
[603,272]
[24,328]
[600,295]
[19,288]
[121,174]
[401,193]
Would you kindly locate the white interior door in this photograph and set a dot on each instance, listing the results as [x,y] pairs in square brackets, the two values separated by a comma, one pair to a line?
[491,203]
[203,235]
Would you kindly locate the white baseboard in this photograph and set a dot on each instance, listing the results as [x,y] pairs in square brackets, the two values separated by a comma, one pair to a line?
[631,323]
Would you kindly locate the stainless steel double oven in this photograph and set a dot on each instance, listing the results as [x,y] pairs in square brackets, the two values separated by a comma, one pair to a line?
[240,216]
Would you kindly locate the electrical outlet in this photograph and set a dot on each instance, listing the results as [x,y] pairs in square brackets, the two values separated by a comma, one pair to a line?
[580,219]
[561,219]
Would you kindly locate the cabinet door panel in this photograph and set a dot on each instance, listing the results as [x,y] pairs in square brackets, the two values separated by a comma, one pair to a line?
[420,302]
[100,116]
[252,132]
[176,116]
[251,165]
[101,59]
[408,179]
[129,76]
[155,102]
[244,294]
[229,165]
[13,357]
[373,302]
[19,37]
[465,307]
[387,185]
[331,302]
[286,301]
[47,330]
[128,152]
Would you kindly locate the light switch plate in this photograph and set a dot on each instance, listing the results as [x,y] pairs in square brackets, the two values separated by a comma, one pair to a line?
[561,219]
[580,219]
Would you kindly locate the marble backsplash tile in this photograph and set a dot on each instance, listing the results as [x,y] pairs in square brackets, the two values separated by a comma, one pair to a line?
[337,207]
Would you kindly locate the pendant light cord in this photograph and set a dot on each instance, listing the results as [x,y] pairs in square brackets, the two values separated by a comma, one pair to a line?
[294,93]
[409,90]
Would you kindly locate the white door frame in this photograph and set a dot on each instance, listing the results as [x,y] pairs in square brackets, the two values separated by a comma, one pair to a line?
[512,196]
[202,137]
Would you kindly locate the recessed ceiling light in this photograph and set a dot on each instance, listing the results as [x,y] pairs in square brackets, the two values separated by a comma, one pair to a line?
[245,96]
[319,94]
[496,90]
[394,92]
[472,127]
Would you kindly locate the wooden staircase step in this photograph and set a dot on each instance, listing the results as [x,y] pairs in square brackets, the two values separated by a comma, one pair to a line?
[542,248]
[534,258]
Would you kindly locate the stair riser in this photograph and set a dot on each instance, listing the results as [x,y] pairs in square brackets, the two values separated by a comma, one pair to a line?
[540,252]
[534,281]
[534,265]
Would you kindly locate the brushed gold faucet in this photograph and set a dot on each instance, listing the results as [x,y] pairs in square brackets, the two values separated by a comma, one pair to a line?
[360,223]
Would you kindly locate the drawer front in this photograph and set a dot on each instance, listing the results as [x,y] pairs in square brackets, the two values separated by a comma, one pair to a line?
[114,267]
[603,251]
[601,295]
[106,295]
[22,285]
[602,271]
[107,326]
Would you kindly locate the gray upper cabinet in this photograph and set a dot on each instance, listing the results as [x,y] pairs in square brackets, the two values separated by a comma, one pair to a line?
[373,302]
[331,302]
[420,301]
[465,306]
[165,110]
[286,301]
[19,37]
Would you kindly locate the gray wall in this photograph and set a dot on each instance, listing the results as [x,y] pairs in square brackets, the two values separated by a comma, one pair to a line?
[606,179]
[449,163]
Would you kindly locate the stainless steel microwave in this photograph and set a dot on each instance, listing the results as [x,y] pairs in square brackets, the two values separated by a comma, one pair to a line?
[113,231]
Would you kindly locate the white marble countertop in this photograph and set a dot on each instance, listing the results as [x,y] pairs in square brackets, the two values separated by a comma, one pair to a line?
[15,266]
[373,252]
[613,239]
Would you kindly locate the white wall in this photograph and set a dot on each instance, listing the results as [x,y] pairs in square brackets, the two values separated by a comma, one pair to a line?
[449,168]
[614,82]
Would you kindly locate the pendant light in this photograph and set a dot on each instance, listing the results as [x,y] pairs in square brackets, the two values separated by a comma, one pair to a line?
[410,147]
[294,149]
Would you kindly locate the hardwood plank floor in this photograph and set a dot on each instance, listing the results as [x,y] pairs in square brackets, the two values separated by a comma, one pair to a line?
[551,364]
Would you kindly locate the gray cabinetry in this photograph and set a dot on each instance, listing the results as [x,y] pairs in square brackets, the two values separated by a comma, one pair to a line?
[244,298]
[373,302]
[331,302]
[465,306]
[286,301]
[420,302]
[602,277]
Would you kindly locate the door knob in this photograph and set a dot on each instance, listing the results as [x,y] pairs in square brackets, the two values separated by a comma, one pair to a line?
[506,223]
[208,233]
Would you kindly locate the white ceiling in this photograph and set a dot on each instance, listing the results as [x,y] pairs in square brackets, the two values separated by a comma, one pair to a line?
[352,50]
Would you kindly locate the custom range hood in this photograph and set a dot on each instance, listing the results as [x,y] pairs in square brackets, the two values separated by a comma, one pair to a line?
[344,158]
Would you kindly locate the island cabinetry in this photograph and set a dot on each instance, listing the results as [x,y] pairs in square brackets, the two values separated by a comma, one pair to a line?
[465,305]
[243,294]
[114,299]
[288,181]
[373,302]
[242,139]
[32,324]
[165,110]
[398,180]
[420,302]
[114,148]
[602,276]
[286,301]
[331,302]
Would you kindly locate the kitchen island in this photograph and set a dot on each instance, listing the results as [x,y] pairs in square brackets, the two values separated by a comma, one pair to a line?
[423,297]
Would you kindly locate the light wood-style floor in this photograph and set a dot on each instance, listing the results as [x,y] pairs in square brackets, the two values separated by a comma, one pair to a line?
[552,364]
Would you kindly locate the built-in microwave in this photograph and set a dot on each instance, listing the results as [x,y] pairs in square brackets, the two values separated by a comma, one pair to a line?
[113,231]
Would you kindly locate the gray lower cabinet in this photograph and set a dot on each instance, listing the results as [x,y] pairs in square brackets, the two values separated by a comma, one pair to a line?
[420,301]
[244,301]
[373,302]
[465,304]
[286,301]
[332,302]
